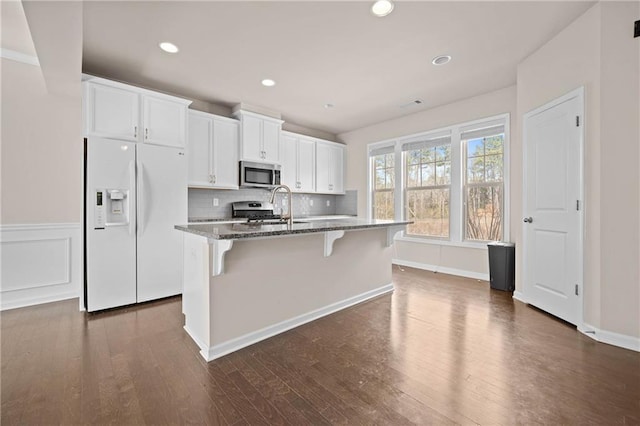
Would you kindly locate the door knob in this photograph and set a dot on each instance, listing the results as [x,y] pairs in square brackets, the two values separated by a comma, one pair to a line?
[528,220]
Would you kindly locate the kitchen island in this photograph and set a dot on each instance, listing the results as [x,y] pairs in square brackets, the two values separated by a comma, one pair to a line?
[245,282]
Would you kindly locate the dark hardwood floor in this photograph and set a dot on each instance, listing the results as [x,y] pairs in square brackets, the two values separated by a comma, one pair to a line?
[440,350]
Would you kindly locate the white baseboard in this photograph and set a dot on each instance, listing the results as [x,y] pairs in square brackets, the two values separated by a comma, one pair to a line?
[233,345]
[41,263]
[519,296]
[442,270]
[611,338]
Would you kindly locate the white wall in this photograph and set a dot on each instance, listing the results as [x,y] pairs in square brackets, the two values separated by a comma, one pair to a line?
[598,52]
[466,261]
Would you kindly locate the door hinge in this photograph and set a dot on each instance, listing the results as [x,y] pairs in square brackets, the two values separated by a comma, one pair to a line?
[578,205]
[577,121]
[577,292]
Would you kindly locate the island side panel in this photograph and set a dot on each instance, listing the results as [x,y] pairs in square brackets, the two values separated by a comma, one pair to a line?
[196,289]
[271,281]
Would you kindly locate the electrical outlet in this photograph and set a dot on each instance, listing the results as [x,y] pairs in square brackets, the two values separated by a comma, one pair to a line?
[328,203]
[311,203]
[216,202]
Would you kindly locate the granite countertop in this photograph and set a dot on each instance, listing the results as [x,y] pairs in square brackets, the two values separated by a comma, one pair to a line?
[241,230]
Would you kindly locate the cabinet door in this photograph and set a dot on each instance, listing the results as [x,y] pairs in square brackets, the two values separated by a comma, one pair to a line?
[271,141]
[112,112]
[323,167]
[225,154]
[337,169]
[252,139]
[199,150]
[288,172]
[306,165]
[163,121]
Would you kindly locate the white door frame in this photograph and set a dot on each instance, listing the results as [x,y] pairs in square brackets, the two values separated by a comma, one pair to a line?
[579,94]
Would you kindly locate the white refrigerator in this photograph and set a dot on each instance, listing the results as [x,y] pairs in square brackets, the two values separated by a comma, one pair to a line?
[135,194]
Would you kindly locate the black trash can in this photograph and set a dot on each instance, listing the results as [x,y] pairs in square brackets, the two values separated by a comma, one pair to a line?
[502,266]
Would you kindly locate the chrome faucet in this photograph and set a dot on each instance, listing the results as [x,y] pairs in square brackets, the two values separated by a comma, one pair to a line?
[288,216]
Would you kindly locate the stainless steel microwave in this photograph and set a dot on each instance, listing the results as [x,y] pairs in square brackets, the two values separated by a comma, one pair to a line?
[260,175]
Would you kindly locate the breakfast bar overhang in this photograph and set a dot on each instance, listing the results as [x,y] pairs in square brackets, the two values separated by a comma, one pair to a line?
[245,283]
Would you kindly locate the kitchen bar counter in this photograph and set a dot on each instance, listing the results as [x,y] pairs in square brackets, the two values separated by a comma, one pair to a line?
[243,284]
[240,230]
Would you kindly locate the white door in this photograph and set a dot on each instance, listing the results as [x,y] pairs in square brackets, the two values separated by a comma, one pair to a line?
[112,112]
[337,170]
[252,138]
[162,204]
[164,121]
[323,167]
[199,150]
[306,165]
[225,154]
[271,141]
[110,246]
[289,157]
[552,256]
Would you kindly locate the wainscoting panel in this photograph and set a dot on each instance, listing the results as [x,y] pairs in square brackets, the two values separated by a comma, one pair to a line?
[40,263]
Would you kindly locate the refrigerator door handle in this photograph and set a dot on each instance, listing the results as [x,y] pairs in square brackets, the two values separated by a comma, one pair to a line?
[140,198]
[132,197]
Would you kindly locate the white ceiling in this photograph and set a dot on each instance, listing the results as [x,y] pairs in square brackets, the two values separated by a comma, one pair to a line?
[320,52]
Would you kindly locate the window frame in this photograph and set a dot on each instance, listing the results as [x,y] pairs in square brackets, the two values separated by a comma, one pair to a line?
[457,202]
[493,184]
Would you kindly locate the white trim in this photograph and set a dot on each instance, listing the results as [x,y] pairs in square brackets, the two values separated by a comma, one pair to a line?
[19,57]
[248,339]
[580,94]
[38,226]
[519,297]
[441,269]
[611,338]
[433,241]
[37,289]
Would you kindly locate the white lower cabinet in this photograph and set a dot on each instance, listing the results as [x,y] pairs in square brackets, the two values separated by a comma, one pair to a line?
[212,151]
[329,168]
[297,154]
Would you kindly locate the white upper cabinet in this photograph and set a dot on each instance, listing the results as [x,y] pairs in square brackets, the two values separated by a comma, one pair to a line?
[164,121]
[120,111]
[259,137]
[212,151]
[298,157]
[112,112]
[329,168]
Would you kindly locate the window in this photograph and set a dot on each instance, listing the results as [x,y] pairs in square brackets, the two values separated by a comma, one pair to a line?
[427,181]
[484,183]
[383,178]
[451,182]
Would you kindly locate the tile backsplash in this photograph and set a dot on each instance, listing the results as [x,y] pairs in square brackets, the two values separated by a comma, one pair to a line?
[201,202]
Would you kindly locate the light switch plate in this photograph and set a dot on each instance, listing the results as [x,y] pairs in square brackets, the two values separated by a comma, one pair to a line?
[328,203]
[216,202]
[311,203]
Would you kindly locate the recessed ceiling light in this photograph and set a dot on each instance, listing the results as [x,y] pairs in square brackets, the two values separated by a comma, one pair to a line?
[329,106]
[441,60]
[169,47]
[382,8]
[268,82]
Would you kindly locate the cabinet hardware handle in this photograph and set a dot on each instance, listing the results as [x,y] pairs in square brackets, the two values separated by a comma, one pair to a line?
[146,133]
[214,179]
[528,220]
[135,132]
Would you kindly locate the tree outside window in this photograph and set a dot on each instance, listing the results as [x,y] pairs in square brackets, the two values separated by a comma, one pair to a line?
[383,186]
[428,180]
[484,188]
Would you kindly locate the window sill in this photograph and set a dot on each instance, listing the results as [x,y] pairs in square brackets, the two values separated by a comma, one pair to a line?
[463,244]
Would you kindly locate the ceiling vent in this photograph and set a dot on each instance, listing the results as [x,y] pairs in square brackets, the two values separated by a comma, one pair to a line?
[412,103]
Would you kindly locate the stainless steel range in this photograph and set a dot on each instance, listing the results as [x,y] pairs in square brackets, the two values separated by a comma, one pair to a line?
[255,211]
